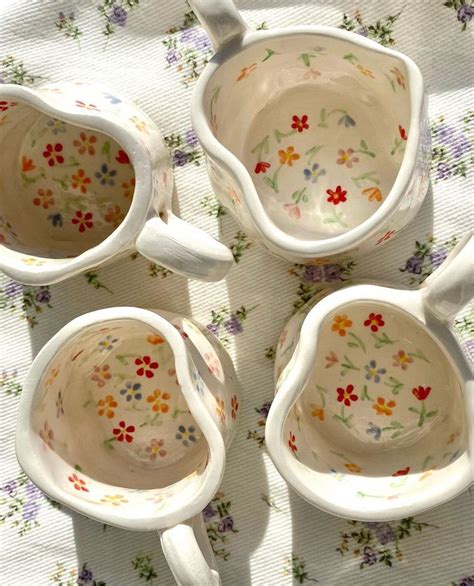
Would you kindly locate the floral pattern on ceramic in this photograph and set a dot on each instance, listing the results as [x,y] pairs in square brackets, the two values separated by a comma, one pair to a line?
[320,165]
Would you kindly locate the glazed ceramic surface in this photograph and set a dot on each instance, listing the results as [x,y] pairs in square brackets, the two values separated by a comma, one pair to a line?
[317,139]
[378,425]
[127,422]
[82,172]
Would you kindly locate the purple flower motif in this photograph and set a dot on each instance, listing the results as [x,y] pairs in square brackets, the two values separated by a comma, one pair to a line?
[369,556]
[460,147]
[118,15]
[445,133]
[13,289]
[10,488]
[56,220]
[208,512]
[233,325]
[180,158]
[437,257]
[202,42]
[313,274]
[444,171]
[171,57]
[213,328]
[414,265]
[86,576]
[362,32]
[469,347]
[30,510]
[264,409]
[384,533]
[191,138]
[227,524]
[188,35]
[465,13]
[32,491]
[347,121]
[467,581]
[43,295]
[374,430]
[332,272]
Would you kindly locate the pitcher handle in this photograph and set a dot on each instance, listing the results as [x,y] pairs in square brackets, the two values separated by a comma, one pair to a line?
[220,19]
[450,287]
[184,249]
[189,554]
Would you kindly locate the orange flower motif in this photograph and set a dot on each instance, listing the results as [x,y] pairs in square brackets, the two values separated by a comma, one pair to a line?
[220,409]
[399,76]
[353,468]
[317,412]
[27,164]
[402,359]
[107,406]
[157,401]
[44,198]
[114,215]
[234,403]
[47,435]
[155,339]
[101,374]
[341,323]
[85,144]
[128,187]
[374,193]
[246,71]
[287,157]
[383,408]
[365,71]
[80,181]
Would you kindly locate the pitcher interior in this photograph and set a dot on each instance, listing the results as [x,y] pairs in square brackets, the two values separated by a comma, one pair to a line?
[383,411]
[320,125]
[112,422]
[63,188]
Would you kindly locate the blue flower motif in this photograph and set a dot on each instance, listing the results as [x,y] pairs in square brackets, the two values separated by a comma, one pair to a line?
[374,430]
[105,175]
[56,220]
[373,372]
[118,15]
[347,121]
[112,99]
[198,382]
[314,173]
[186,435]
[132,391]
[414,265]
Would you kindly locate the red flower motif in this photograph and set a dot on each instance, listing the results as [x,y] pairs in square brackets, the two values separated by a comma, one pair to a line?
[402,472]
[123,432]
[261,167]
[122,157]
[291,442]
[374,321]
[5,105]
[337,196]
[385,237]
[234,403]
[146,365]
[51,153]
[300,124]
[403,132]
[346,395]
[421,393]
[81,104]
[78,483]
[84,220]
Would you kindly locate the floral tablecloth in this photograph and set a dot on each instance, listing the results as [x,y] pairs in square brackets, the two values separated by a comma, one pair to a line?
[262,533]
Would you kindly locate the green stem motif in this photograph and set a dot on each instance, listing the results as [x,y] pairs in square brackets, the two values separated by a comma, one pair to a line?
[365,394]
[355,341]
[153,421]
[347,365]
[122,358]
[177,412]
[395,385]
[351,58]
[324,116]
[260,148]
[345,419]
[419,354]
[273,180]
[41,133]
[106,150]
[426,461]
[394,426]
[306,57]
[369,177]
[279,135]
[311,153]
[270,53]
[382,340]
[422,413]
[391,82]
[398,146]
[108,443]
[300,195]
[28,180]
[361,494]
[335,219]
[364,149]
[322,391]
[215,95]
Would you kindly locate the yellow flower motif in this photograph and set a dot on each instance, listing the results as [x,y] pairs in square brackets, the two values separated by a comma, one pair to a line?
[374,193]
[287,157]
[365,71]
[353,468]
[114,499]
[246,71]
[220,409]
[341,323]
[140,125]
[53,374]
[33,261]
